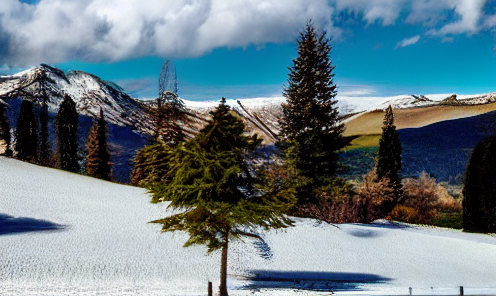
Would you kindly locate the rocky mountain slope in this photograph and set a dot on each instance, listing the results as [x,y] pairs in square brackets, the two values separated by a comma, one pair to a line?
[88,91]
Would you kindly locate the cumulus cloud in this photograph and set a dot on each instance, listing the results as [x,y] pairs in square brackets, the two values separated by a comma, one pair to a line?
[470,12]
[408,41]
[54,31]
[111,30]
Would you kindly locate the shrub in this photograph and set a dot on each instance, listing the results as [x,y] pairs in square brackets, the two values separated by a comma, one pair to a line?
[404,214]
[426,198]
[343,202]
[373,198]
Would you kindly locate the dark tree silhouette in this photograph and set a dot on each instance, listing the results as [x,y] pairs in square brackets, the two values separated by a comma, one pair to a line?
[26,134]
[4,133]
[67,125]
[45,149]
[479,191]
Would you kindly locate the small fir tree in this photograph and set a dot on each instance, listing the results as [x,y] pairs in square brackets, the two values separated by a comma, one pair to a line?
[388,164]
[98,158]
[479,191]
[311,133]
[210,179]
[4,132]
[67,124]
[26,133]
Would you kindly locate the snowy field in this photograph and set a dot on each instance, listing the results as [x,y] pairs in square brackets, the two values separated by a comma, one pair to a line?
[65,234]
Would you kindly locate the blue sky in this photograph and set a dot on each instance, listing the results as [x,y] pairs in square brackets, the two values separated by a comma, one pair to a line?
[242,48]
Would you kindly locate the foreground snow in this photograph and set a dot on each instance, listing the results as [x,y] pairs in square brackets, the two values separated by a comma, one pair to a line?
[65,234]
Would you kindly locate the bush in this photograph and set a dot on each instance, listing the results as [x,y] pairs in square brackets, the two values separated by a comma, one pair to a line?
[404,214]
[344,202]
[423,201]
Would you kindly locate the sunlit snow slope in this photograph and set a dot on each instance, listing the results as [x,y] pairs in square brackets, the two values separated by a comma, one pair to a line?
[66,234]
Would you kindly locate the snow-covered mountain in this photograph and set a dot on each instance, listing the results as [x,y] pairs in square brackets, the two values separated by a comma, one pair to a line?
[88,91]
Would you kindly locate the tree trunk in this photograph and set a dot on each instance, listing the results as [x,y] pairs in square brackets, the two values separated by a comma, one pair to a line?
[223,267]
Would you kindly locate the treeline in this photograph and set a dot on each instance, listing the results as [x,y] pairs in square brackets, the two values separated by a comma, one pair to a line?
[31,139]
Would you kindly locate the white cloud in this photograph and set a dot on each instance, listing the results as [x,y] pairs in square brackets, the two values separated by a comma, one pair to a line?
[447,40]
[470,12]
[408,41]
[112,30]
[372,10]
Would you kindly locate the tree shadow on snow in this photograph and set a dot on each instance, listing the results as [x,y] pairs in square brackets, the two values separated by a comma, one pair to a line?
[11,225]
[313,281]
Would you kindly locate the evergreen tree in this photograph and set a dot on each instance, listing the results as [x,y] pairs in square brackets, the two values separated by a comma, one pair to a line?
[45,151]
[4,132]
[151,163]
[98,158]
[210,178]
[26,133]
[479,191]
[170,115]
[67,125]
[311,133]
[389,157]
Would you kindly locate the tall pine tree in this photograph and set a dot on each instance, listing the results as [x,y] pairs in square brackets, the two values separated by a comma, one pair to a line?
[26,134]
[67,125]
[389,157]
[4,133]
[311,133]
[211,179]
[98,158]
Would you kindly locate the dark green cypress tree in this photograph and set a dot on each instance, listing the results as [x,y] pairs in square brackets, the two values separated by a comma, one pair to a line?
[479,191]
[209,178]
[311,133]
[4,132]
[67,124]
[389,157]
[26,133]
[98,158]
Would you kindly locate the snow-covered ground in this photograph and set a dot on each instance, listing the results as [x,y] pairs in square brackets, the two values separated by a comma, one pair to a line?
[66,234]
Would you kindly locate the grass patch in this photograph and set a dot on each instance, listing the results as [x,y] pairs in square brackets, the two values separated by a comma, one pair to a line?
[448,220]
[365,141]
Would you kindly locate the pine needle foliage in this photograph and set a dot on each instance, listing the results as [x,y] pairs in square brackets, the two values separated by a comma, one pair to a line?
[211,180]
[67,125]
[151,163]
[27,133]
[4,132]
[98,158]
[311,133]
[479,191]
[388,164]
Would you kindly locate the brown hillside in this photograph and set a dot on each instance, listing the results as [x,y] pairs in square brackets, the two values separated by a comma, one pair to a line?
[370,123]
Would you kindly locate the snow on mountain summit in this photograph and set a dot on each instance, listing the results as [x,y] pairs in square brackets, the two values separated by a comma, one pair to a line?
[89,92]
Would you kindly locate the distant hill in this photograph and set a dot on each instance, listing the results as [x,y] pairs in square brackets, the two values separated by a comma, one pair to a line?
[441,149]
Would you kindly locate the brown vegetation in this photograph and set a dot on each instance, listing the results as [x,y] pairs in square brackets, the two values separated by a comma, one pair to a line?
[370,123]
